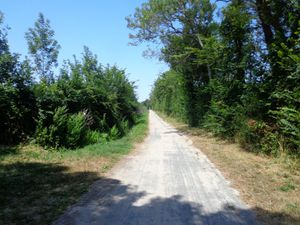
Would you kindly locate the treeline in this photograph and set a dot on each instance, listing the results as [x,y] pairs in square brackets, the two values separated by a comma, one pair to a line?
[235,67]
[84,103]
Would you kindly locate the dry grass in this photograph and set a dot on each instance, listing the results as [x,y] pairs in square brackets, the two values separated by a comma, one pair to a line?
[35,190]
[270,186]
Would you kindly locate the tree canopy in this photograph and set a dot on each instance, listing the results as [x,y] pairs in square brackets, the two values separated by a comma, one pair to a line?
[43,48]
[238,66]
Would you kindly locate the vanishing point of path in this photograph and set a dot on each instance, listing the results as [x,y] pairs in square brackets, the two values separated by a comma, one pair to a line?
[166,181]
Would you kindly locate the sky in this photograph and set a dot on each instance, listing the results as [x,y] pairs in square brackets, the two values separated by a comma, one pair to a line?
[97,24]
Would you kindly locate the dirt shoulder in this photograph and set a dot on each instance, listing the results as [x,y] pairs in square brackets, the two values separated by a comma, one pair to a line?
[271,187]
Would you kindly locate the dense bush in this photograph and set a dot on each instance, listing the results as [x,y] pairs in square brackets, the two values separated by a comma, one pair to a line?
[94,137]
[61,129]
[85,103]
[17,108]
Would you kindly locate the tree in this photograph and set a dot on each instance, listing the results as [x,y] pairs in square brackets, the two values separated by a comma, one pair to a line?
[8,61]
[240,68]
[43,48]
[168,96]
[178,25]
[17,102]
[237,56]
[279,21]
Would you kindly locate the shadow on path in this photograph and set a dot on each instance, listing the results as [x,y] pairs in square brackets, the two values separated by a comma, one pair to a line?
[37,193]
[111,202]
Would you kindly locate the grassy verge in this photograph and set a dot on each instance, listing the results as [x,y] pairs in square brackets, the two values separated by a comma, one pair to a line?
[36,186]
[271,186]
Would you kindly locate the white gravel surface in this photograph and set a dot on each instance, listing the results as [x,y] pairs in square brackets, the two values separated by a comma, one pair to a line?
[166,181]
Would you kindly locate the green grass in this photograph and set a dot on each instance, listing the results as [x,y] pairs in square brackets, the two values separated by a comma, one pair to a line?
[36,185]
[287,187]
[114,148]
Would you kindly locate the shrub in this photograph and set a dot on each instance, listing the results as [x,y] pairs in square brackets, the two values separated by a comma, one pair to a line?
[258,136]
[17,112]
[76,130]
[51,127]
[288,122]
[94,137]
[223,120]
[60,129]
[113,133]
[123,127]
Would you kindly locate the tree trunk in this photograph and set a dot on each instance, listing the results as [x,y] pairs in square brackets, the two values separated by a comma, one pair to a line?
[263,11]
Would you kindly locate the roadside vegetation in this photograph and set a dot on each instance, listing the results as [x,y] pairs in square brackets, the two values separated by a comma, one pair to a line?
[84,103]
[37,185]
[269,185]
[234,79]
[234,68]
[61,128]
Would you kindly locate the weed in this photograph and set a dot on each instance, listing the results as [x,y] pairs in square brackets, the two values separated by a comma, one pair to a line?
[287,187]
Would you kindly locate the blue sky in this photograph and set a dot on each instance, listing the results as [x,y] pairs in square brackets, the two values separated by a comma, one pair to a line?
[98,24]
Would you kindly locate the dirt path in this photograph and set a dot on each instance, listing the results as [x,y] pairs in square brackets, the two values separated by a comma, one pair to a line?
[167,181]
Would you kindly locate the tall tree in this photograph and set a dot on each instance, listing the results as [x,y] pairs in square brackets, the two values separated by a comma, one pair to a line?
[237,56]
[279,21]
[43,48]
[177,25]
[240,73]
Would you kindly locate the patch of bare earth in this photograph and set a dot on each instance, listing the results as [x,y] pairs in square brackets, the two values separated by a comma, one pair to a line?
[270,186]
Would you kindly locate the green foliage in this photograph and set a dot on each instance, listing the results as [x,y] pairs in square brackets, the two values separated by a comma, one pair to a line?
[65,130]
[263,138]
[240,72]
[52,128]
[113,133]
[289,186]
[100,101]
[218,119]
[180,27]
[85,103]
[95,137]
[17,101]
[168,95]
[146,104]
[76,130]
[9,113]
[123,127]
[288,121]
[43,48]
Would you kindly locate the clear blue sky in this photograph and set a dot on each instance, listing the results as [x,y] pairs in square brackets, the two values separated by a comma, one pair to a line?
[98,24]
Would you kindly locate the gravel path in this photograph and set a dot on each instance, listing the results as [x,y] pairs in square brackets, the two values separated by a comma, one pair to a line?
[167,181]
